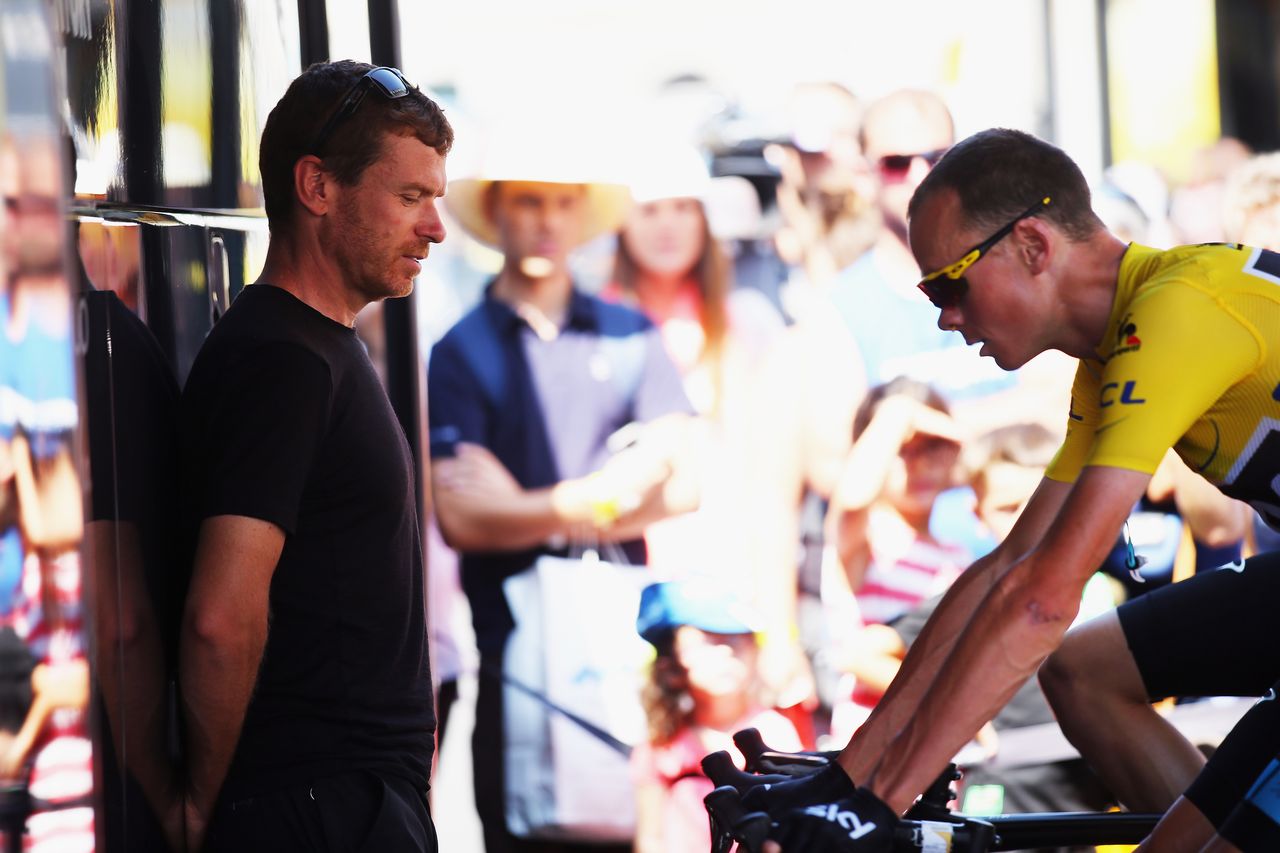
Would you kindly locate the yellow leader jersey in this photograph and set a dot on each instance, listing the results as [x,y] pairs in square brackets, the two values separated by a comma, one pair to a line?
[1190,360]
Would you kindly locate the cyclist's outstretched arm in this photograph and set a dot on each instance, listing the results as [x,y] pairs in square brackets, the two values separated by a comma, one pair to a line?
[936,642]
[1020,623]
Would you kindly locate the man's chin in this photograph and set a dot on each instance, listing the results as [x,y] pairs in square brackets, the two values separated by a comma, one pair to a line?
[388,290]
[1005,362]
[537,266]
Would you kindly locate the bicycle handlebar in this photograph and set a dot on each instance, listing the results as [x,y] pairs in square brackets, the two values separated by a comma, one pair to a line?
[928,825]
[761,758]
[721,770]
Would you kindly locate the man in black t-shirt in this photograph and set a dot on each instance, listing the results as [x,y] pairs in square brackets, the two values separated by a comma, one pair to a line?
[305,683]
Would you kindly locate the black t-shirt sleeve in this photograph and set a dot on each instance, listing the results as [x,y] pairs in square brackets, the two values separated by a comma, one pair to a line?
[456,407]
[266,421]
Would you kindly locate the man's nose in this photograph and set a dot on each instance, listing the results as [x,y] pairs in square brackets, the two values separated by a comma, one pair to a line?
[949,318]
[432,226]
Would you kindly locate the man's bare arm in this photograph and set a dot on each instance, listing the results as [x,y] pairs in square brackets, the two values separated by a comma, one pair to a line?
[938,639]
[497,516]
[1020,623]
[481,506]
[224,632]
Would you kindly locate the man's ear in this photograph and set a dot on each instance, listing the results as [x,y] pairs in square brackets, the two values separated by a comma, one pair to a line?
[1036,244]
[312,185]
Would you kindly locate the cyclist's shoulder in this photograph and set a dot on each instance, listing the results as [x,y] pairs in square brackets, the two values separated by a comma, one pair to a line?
[1223,272]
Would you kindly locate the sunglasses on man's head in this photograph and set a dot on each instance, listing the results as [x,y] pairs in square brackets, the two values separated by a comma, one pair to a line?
[948,293]
[894,167]
[389,81]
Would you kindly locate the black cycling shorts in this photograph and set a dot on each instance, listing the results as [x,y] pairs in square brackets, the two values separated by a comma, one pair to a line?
[1214,635]
[1254,825]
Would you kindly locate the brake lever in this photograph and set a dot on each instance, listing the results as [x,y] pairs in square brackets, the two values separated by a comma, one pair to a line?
[731,822]
[720,769]
[761,758]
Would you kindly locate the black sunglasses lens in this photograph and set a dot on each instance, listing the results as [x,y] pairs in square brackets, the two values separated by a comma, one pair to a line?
[945,292]
[390,81]
[932,157]
[896,165]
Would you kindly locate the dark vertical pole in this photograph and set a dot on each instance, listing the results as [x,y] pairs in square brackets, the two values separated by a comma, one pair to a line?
[384,32]
[141,104]
[404,368]
[313,30]
[1248,96]
[141,60]
[225,20]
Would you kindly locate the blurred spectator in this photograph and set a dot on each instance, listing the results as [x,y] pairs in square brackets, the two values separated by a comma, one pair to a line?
[670,266]
[1146,186]
[880,559]
[1196,207]
[905,453]
[812,378]
[525,393]
[41,514]
[1122,215]
[1251,202]
[703,687]
[1007,464]
[893,326]
[823,194]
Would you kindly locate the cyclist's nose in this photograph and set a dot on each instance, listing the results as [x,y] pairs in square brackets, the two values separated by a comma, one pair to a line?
[949,318]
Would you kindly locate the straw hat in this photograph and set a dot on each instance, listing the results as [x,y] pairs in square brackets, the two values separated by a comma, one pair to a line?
[514,157]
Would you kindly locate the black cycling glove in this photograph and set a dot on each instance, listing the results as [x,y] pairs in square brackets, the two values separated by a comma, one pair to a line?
[829,784]
[858,823]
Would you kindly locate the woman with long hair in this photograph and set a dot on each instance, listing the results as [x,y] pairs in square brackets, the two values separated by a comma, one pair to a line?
[670,265]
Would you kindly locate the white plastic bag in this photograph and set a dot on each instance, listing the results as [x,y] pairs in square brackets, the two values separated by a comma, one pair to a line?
[576,647]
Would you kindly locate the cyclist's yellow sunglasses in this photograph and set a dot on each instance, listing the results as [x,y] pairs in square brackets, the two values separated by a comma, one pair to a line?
[945,294]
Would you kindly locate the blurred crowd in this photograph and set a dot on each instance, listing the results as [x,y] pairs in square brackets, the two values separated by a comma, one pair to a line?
[712,361]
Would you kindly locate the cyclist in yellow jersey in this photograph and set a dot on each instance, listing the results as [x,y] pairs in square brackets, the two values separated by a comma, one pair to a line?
[1191,359]
[1177,348]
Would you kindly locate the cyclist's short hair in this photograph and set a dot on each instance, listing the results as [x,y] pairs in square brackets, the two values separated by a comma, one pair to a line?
[998,173]
[355,143]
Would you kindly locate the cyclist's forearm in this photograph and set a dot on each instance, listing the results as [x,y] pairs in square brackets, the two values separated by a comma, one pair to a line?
[921,666]
[938,640]
[1024,623]
[1023,619]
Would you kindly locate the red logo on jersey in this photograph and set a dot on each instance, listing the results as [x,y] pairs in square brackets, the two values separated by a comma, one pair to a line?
[1127,339]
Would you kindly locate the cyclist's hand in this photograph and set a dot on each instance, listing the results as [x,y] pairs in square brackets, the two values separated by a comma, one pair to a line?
[780,798]
[860,823]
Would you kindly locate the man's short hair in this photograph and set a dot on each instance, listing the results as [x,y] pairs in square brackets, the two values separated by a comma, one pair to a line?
[927,106]
[999,173]
[355,143]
